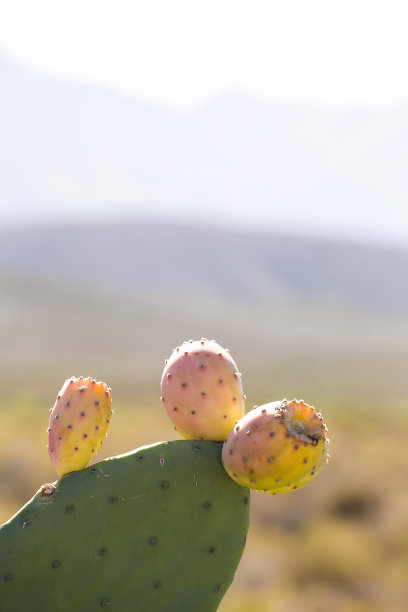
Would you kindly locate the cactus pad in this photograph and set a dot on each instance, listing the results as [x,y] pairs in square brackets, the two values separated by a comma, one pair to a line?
[160,529]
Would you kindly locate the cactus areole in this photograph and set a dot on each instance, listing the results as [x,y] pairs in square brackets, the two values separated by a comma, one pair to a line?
[202,390]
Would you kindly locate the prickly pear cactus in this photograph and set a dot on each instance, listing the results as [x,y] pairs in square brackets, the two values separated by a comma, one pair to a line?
[78,423]
[278,447]
[160,529]
[202,390]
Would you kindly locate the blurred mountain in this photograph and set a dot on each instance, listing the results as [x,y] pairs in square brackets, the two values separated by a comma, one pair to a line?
[71,150]
[170,261]
[114,299]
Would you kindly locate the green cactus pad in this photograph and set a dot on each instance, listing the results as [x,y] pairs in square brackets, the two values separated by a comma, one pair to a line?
[160,529]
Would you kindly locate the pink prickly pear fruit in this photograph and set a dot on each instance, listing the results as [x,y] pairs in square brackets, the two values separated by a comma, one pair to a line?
[277,447]
[202,390]
[78,423]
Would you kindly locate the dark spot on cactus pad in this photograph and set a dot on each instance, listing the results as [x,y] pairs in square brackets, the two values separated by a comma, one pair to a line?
[82,413]
[253,481]
[277,479]
[234,399]
[206,504]
[271,433]
[184,384]
[93,450]
[8,577]
[69,507]
[168,374]
[161,460]
[237,428]
[85,435]
[106,392]
[296,446]
[107,420]
[234,474]
[203,393]
[97,427]
[305,460]
[96,403]
[47,490]
[202,365]
[225,416]
[196,447]
[69,426]
[55,564]
[49,429]
[294,487]
[92,469]
[220,380]
[287,434]
[218,588]
[59,396]
[56,416]
[52,450]
[263,411]
[193,412]
[164,484]
[105,602]
[102,551]
[67,403]
[175,409]
[157,584]
[113,499]
[153,541]
[211,550]
[76,448]
[244,459]
[230,451]
[248,433]
[201,438]
[140,457]
[59,437]
[270,459]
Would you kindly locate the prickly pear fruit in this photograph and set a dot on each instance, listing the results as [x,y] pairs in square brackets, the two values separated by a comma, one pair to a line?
[202,390]
[277,447]
[78,423]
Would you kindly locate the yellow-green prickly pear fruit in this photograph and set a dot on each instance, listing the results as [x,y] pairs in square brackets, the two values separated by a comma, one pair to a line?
[277,447]
[202,390]
[78,423]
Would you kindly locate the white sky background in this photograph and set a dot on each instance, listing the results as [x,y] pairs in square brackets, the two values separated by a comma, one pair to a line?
[179,53]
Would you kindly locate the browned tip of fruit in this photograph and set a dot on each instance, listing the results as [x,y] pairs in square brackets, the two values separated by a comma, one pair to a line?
[301,422]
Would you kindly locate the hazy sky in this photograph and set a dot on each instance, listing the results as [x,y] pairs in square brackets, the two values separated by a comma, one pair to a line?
[337,53]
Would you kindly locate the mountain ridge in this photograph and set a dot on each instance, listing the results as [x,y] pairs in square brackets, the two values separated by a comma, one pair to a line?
[158,259]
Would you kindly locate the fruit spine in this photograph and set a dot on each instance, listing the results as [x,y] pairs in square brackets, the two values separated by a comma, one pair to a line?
[78,423]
